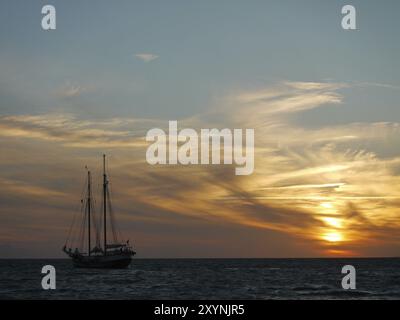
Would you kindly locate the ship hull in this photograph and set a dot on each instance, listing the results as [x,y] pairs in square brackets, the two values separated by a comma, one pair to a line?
[102,262]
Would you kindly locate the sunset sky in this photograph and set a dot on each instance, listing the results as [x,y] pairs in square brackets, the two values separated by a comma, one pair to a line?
[324,104]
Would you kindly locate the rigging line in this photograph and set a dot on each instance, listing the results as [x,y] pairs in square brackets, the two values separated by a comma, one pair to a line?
[77,230]
[112,222]
[83,213]
[117,235]
[75,215]
[73,223]
[95,223]
[99,214]
[93,212]
[70,228]
[83,226]
[83,234]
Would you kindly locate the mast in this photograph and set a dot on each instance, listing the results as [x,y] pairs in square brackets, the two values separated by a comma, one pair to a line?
[89,206]
[105,203]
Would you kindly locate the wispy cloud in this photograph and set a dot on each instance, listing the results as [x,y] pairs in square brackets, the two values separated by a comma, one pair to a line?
[71,90]
[146,57]
[73,132]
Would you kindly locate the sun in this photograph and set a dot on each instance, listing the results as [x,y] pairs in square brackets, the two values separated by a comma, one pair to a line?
[326,205]
[334,222]
[333,236]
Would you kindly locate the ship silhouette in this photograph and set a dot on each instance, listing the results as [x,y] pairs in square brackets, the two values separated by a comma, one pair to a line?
[117,254]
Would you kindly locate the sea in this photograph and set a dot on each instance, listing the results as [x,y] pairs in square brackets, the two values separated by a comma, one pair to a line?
[205,279]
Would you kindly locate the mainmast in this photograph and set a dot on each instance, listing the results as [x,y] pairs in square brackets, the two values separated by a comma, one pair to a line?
[89,207]
[105,203]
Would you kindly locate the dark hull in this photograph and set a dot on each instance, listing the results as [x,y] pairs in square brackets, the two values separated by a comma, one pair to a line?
[102,262]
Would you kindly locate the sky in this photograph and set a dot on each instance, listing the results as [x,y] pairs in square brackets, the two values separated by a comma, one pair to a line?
[323,101]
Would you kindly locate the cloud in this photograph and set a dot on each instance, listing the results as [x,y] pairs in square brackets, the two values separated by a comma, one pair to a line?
[315,86]
[272,105]
[18,187]
[71,90]
[73,132]
[146,57]
[304,178]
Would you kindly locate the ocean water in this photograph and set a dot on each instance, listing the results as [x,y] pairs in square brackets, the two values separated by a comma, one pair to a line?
[205,279]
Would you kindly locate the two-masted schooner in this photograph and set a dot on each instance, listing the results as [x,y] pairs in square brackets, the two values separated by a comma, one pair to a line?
[117,254]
